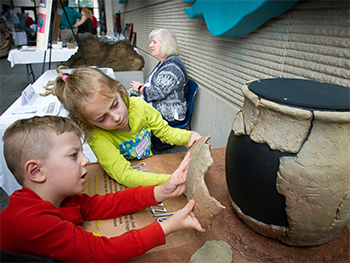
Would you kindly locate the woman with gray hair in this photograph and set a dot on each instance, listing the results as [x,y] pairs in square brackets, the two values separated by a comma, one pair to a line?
[166,87]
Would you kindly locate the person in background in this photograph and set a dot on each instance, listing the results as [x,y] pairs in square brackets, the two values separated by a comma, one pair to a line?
[117,128]
[45,217]
[4,26]
[94,23]
[166,87]
[6,39]
[65,30]
[85,27]
[29,21]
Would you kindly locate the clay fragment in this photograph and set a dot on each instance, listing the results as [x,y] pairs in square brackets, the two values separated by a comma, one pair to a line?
[250,110]
[238,124]
[281,127]
[194,148]
[206,207]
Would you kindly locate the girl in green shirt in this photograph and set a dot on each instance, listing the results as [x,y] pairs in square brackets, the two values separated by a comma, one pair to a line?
[117,128]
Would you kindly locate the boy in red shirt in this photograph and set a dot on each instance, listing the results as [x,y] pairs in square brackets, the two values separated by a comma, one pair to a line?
[42,219]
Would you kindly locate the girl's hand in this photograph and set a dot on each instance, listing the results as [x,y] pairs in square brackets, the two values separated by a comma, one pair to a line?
[183,219]
[194,137]
[176,184]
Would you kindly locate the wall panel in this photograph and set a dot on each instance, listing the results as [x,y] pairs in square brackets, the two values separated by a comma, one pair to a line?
[309,41]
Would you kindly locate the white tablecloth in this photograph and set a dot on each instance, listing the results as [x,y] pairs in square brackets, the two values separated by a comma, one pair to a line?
[19,38]
[37,56]
[7,181]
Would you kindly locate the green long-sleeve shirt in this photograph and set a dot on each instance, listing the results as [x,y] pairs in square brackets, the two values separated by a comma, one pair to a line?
[114,148]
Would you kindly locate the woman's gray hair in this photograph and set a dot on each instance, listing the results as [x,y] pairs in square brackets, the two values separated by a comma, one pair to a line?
[168,42]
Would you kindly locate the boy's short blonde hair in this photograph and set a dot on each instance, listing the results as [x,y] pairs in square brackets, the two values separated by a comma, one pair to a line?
[73,89]
[168,42]
[31,138]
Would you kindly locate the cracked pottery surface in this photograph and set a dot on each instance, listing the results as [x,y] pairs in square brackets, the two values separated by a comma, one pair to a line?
[206,207]
[315,182]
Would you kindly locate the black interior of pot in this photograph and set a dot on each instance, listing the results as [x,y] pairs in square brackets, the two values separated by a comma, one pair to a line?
[251,171]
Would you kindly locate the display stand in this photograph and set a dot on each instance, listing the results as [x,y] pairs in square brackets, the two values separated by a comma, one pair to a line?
[49,37]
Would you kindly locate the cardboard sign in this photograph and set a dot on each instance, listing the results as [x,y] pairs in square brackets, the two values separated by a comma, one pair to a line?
[98,182]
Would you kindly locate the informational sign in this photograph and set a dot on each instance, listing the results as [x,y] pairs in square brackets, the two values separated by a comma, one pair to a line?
[99,182]
[28,95]
[44,20]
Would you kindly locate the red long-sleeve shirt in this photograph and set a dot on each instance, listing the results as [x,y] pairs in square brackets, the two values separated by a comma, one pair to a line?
[32,226]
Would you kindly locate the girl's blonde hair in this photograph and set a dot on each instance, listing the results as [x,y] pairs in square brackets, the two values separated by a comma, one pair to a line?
[168,42]
[87,13]
[73,89]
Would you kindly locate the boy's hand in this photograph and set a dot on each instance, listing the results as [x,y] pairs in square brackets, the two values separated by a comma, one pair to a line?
[176,184]
[183,219]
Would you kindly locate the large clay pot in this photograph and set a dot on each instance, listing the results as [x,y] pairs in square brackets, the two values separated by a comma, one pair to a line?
[288,160]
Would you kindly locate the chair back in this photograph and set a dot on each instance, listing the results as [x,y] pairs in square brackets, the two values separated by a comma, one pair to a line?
[192,91]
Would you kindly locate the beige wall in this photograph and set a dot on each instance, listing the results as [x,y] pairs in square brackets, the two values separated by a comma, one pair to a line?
[310,41]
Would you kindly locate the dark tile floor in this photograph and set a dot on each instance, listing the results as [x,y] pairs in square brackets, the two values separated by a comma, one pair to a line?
[14,80]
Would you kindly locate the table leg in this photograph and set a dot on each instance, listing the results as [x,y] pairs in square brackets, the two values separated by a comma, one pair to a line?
[44,62]
[30,72]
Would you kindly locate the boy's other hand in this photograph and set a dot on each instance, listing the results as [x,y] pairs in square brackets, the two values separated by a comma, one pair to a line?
[176,184]
[183,219]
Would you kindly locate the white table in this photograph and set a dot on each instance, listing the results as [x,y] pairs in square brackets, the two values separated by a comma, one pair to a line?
[7,181]
[19,38]
[16,56]
[30,57]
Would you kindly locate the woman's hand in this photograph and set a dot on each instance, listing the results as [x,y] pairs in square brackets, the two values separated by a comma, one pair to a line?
[135,84]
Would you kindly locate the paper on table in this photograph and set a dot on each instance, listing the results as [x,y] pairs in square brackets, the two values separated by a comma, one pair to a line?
[22,111]
[28,95]
[50,108]
[28,49]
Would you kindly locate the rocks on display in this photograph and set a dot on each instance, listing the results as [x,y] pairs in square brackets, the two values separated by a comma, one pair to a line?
[120,56]
[217,251]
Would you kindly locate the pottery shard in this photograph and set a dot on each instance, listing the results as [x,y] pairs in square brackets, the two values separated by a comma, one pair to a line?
[206,207]
[316,182]
[250,109]
[267,230]
[195,147]
[238,125]
[281,127]
[119,56]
